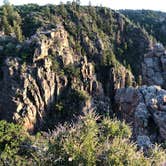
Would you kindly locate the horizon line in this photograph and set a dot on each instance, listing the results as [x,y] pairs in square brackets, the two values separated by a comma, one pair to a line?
[97,5]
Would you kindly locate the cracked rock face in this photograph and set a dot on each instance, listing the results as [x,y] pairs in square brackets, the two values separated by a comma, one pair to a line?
[28,90]
[54,42]
[154,66]
[30,93]
[145,108]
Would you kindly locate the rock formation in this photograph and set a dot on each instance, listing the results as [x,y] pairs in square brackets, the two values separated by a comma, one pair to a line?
[144,107]
[54,42]
[28,90]
[153,67]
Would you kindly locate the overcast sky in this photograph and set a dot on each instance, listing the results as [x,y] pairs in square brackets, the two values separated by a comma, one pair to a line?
[114,4]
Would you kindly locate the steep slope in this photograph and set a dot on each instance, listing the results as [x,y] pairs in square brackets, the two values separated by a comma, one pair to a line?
[154,22]
[58,82]
[71,60]
[66,72]
[89,33]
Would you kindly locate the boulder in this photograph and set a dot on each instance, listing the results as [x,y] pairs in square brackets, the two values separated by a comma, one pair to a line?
[144,108]
[144,142]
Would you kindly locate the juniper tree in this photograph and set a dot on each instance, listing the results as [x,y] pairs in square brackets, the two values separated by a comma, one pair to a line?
[11,21]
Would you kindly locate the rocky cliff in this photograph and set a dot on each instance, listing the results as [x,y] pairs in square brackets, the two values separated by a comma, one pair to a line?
[34,89]
[28,90]
[145,109]
[74,61]
[153,66]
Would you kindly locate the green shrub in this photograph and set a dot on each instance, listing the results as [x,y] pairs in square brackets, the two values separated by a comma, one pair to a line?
[18,148]
[12,137]
[121,152]
[114,128]
[56,65]
[70,103]
[157,155]
[90,142]
[78,144]
[72,71]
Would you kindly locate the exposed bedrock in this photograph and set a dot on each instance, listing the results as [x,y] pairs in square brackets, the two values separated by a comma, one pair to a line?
[145,108]
[154,66]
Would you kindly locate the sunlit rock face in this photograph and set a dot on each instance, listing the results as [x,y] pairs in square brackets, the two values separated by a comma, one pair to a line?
[145,109]
[29,90]
[26,91]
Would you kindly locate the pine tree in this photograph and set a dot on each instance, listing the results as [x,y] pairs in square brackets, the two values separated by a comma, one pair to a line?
[48,13]
[11,21]
[18,32]
[6,26]
[78,2]
[17,18]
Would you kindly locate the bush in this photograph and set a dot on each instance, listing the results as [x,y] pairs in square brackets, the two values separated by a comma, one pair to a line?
[17,147]
[91,141]
[70,104]
[104,143]
[12,137]
[56,66]
[71,71]
[76,145]
[121,152]
[114,128]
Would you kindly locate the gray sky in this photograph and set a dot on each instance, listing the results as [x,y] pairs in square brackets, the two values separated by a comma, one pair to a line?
[114,4]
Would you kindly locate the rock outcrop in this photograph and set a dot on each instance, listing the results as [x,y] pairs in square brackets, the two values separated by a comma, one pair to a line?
[122,77]
[28,90]
[90,83]
[154,66]
[54,42]
[145,109]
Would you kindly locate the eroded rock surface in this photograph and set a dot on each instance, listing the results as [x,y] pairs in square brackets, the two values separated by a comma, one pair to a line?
[145,108]
[154,66]
[28,90]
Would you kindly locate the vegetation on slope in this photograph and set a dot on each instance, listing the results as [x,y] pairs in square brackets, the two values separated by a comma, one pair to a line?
[11,21]
[152,21]
[118,35]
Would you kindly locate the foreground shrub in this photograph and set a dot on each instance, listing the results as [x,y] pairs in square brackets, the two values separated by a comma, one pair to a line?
[77,144]
[18,148]
[114,128]
[91,141]
[12,137]
[103,143]
[121,152]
